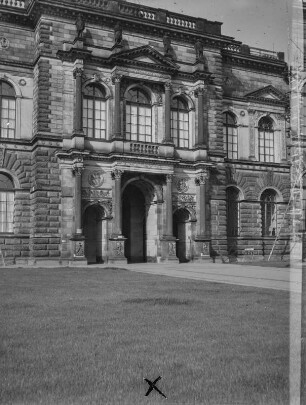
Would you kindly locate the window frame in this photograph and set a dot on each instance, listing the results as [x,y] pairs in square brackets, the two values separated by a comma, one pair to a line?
[147,107]
[94,100]
[270,216]
[231,153]
[262,132]
[7,188]
[230,218]
[178,139]
[8,98]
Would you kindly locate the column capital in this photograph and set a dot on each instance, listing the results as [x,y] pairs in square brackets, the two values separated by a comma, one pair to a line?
[78,168]
[201,178]
[169,178]
[116,174]
[78,72]
[116,78]
[199,91]
[168,85]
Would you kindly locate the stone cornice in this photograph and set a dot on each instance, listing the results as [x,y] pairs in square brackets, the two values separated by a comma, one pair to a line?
[134,17]
[254,63]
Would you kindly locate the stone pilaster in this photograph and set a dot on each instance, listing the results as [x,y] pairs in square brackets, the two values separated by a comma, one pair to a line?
[78,134]
[252,155]
[167,138]
[78,237]
[201,135]
[117,114]
[202,239]
[117,240]
[168,241]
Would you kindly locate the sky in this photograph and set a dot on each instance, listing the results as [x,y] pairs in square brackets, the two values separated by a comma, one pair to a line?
[258,23]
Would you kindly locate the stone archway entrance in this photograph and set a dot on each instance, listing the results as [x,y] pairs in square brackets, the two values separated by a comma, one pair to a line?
[94,233]
[134,224]
[182,231]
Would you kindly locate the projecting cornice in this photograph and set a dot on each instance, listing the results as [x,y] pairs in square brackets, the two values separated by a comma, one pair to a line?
[254,62]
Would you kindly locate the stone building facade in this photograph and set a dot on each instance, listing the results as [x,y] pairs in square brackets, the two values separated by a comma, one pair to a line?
[132,133]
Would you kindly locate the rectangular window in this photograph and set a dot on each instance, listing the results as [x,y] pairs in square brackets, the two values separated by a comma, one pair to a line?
[266,146]
[8,118]
[6,211]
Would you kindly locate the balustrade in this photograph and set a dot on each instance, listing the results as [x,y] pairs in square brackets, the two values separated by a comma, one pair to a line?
[13,3]
[144,149]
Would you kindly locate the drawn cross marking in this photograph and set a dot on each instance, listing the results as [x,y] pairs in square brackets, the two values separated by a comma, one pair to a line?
[153,387]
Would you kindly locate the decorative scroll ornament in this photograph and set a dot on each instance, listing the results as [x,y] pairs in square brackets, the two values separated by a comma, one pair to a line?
[182,185]
[78,169]
[4,43]
[96,178]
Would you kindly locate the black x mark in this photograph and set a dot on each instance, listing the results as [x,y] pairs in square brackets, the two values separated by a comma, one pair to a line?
[153,387]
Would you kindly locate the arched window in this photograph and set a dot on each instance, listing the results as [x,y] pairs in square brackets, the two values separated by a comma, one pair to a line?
[6,203]
[233,211]
[266,139]
[268,213]
[94,111]
[230,135]
[7,110]
[138,116]
[180,122]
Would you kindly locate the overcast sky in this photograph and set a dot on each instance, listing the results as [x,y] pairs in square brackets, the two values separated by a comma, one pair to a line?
[258,23]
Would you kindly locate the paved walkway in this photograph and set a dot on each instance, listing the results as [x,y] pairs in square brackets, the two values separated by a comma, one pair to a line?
[256,276]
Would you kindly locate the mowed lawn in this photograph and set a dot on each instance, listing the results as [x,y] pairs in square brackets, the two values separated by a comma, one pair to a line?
[90,336]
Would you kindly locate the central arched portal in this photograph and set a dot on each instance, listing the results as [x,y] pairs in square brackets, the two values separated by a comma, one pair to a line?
[134,224]
[182,232]
[94,233]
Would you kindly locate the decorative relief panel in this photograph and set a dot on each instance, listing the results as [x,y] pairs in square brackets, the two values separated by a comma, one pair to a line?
[96,178]
[4,43]
[88,193]
[182,185]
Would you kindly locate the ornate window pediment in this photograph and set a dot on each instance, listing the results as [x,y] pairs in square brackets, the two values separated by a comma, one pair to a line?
[145,57]
[268,94]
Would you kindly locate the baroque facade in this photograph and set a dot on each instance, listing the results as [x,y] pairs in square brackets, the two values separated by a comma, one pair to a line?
[133,133]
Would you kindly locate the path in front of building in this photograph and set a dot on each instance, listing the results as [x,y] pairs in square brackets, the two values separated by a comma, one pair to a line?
[247,275]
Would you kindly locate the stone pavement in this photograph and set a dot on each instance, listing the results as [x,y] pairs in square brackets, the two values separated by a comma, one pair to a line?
[279,278]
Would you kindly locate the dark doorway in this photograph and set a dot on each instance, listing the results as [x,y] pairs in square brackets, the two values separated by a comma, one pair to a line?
[93,234]
[134,224]
[181,219]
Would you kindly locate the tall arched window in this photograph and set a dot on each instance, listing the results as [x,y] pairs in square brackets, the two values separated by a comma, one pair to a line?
[268,212]
[138,116]
[233,211]
[94,111]
[6,203]
[266,139]
[230,135]
[180,122]
[7,110]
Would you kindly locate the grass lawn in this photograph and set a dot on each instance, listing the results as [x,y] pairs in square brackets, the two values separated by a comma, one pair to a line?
[90,336]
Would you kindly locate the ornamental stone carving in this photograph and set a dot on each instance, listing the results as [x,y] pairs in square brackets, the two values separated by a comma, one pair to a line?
[4,43]
[78,72]
[79,248]
[117,174]
[172,248]
[119,249]
[201,178]
[182,185]
[96,178]
[93,193]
